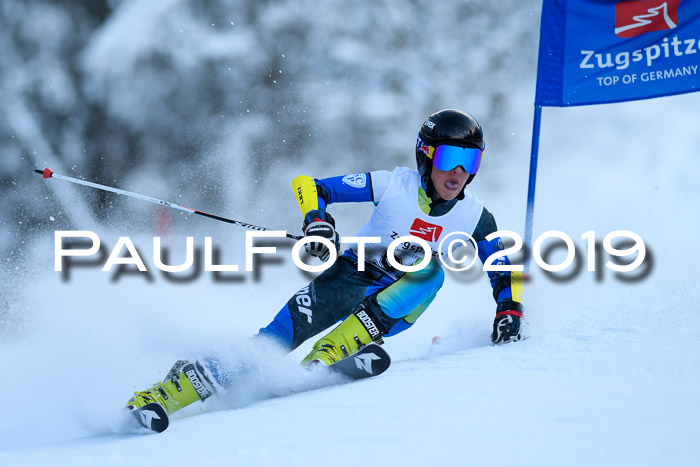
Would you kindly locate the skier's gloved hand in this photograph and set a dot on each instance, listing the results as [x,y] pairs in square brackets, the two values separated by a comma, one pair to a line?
[319,223]
[506,327]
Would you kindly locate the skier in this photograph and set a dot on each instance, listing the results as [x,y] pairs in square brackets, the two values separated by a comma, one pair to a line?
[379,301]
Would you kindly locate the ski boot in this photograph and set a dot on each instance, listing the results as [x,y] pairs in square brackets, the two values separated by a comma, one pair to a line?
[184,384]
[353,333]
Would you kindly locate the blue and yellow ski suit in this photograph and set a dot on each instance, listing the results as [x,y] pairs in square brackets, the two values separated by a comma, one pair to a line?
[396,299]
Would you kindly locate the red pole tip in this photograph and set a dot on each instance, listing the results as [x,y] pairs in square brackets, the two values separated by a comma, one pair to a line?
[47,173]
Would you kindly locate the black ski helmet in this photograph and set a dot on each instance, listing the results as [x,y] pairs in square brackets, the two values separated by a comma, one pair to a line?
[449,126]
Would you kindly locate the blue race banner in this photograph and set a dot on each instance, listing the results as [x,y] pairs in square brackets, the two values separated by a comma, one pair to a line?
[601,51]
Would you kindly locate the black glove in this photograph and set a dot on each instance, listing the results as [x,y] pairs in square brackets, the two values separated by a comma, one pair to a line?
[506,327]
[319,223]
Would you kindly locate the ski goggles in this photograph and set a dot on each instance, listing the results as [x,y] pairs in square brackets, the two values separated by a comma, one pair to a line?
[446,158]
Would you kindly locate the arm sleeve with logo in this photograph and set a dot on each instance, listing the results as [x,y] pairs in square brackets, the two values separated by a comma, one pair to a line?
[352,188]
[507,285]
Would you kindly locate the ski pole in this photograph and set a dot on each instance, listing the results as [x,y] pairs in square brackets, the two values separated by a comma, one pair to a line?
[46,173]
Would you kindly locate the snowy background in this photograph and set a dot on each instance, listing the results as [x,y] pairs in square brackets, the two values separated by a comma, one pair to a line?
[217,106]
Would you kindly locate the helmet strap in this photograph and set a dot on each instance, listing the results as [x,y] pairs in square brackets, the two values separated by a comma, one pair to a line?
[429,188]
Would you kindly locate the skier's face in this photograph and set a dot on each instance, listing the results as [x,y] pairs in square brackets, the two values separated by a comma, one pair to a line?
[448,184]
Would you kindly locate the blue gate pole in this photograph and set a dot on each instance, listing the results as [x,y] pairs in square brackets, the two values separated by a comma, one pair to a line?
[531,185]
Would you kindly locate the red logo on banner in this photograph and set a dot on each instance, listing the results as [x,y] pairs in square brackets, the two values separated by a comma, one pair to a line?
[422,229]
[641,16]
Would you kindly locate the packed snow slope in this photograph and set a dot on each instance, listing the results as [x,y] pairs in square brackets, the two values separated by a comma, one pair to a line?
[607,376]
